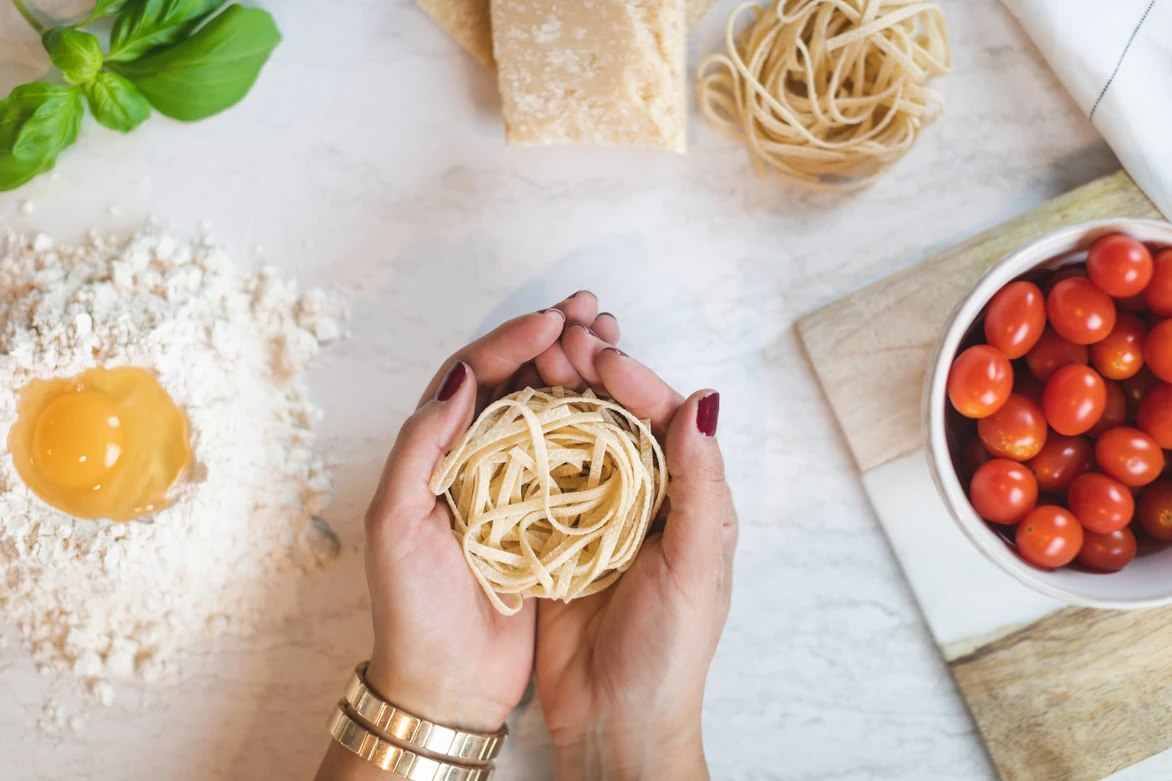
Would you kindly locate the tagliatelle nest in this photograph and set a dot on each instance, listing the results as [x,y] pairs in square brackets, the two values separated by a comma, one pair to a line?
[552,494]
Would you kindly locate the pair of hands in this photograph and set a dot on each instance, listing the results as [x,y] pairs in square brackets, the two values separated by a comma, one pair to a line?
[620,674]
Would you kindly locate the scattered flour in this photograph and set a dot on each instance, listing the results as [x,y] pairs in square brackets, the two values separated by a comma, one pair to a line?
[103,601]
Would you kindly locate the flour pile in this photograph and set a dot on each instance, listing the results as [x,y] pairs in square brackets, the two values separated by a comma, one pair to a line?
[115,601]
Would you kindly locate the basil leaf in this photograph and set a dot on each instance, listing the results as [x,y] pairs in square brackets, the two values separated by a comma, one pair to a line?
[103,9]
[210,71]
[37,121]
[116,103]
[147,24]
[78,55]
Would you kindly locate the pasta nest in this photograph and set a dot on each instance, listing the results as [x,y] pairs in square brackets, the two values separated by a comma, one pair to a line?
[830,93]
[552,494]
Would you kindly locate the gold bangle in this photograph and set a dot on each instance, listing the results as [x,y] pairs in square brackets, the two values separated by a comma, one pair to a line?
[387,756]
[418,732]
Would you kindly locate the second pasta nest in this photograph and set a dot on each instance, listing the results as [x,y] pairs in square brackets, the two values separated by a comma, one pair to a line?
[552,494]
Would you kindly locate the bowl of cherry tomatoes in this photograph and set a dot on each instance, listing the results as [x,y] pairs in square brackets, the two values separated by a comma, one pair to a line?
[1048,414]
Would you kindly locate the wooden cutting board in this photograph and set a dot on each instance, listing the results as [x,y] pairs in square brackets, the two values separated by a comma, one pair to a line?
[1058,693]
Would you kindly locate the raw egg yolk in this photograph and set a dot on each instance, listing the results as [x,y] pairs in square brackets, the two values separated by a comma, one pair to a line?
[107,443]
[77,440]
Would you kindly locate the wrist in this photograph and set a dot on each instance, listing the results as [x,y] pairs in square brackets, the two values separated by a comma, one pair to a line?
[437,698]
[631,753]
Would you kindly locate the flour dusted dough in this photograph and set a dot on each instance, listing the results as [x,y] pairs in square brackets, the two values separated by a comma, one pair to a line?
[603,72]
[552,494]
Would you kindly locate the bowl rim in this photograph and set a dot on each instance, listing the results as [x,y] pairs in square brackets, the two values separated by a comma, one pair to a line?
[1035,253]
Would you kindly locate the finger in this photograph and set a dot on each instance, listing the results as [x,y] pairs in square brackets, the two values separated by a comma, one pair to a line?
[701,521]
[606,326]
[494,357]
[582,345]
[527,377]
[403,497]
[552,365]
[637,388]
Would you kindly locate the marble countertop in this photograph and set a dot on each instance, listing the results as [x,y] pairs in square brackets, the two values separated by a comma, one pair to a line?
[371,156]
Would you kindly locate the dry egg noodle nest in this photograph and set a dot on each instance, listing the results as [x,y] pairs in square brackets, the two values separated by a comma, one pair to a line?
[830,93]
[552,494]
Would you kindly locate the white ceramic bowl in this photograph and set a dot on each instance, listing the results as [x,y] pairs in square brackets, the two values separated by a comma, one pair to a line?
[1145,582]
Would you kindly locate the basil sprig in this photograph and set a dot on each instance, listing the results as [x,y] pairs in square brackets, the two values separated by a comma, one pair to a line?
[187,59]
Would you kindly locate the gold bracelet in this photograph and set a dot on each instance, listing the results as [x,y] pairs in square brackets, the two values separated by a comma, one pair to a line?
[418,732]
[387,756]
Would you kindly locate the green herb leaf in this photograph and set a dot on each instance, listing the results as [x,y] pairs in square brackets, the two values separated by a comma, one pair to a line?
[78,55]
[210,71]
[37,121]
[147,24]
[103,9]
[117,103]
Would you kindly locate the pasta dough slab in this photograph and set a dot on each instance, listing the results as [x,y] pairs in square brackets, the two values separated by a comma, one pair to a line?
[601,72]
[468,21]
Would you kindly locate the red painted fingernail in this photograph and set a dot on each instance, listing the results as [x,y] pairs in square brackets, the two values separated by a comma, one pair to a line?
[707,414]
[580,292]
[606,314]
[584,327]
[452,381]
[615,350]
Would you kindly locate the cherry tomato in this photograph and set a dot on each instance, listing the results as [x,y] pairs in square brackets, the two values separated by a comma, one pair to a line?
[1154,510]
[1158,350]
[1060,460]
[1129,455]
[1136,387]
[1049,537]
[1026,384]
[1017,430]
[980,381]
[1079,311]
[973,457]
[1119,265]
[1121,353]
[1015,318]
[1134,304]
[1100,503]
[1052,352]
[1074,400]
[1158,293]
[1114,413]
[1109,552]
[1003,491]
[1155,415]
[1066,272]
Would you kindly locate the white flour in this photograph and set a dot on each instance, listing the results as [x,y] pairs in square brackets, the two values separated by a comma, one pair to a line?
[108,601]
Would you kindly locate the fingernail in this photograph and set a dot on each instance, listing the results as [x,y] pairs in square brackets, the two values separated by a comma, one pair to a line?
[552,309]
[707,414]
[606,314]
[580,292]
[614,350]
[452,381]
[584,327]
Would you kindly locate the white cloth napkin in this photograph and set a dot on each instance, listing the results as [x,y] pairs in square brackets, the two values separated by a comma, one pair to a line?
[1115,58]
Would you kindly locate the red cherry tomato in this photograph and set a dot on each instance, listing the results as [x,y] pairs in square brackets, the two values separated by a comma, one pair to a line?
[980,381]
[1060,460]
[1136,387]
[973,457]
[1100,503]
[1121,353]
[1114,413]
[1155,415]
[1107,552]
[1066,272]
[1079,311]
[1158,293]
[1016,431]
[1052,352]
[1015,318]
[1129,455]
[1049,537]
[1074,400]
[1158,350]
[1154,509]
[1003,491]
[1119,265]
[1026,384]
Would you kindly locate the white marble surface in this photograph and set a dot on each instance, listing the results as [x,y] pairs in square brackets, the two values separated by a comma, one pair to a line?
[370,156]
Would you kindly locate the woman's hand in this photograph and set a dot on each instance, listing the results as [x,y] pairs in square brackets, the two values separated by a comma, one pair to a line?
[441,651]
[621,673]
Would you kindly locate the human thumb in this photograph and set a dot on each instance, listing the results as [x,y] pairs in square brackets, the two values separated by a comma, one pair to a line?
[403,499]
